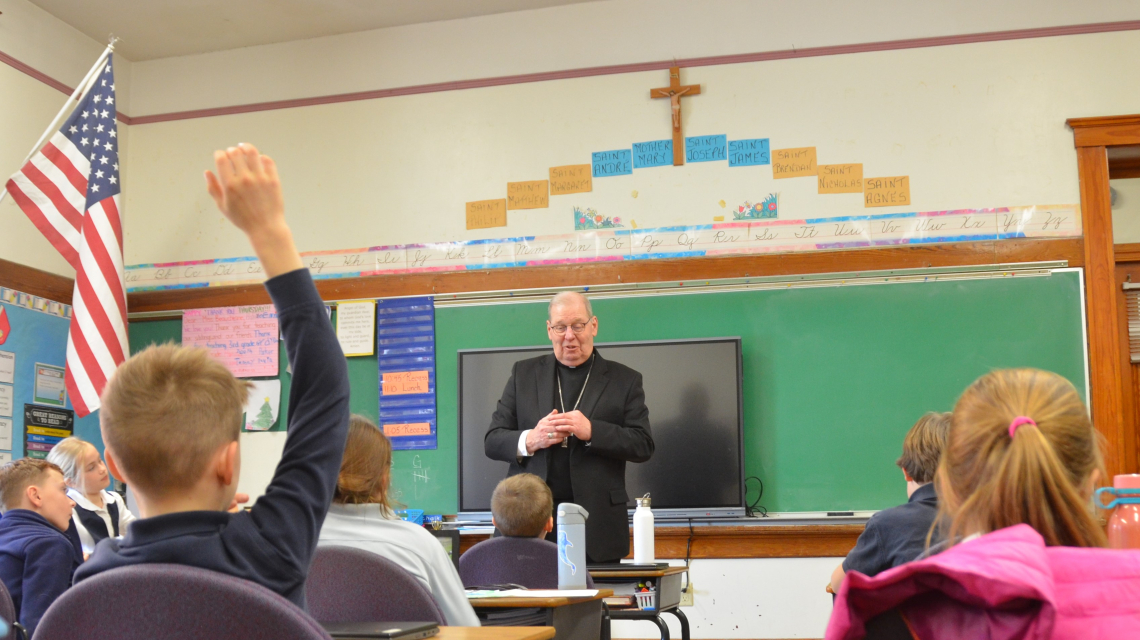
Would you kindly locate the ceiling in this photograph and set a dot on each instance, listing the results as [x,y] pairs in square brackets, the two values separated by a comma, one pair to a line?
[152,29]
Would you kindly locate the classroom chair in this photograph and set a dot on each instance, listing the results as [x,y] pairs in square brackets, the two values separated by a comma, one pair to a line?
[8,613]
[346,584]
[173,602]
[529,562]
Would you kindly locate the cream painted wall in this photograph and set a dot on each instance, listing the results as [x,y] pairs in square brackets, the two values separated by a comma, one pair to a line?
[1126,210]
[978,125]
[581,35]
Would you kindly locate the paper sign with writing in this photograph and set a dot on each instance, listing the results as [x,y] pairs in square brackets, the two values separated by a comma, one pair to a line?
[793,163]
[356,327]
[7,398]
[532,194]
[573,178]
[618,162]
[242,338]
[706,148]
[658,153]
[413,429]
[886,192]
[50,385]
[6,434]
[437,256]
[841,178]
[730,237]
[484,214]
[404,382]
[1040,221]
[7,367]
[749,153]
[490,253]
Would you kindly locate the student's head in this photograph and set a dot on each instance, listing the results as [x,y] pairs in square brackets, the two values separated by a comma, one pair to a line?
[922,447]
[171,417]
[365,470]
[568,311]
[81,465]
[1021,449]
[521,506]
[36,485]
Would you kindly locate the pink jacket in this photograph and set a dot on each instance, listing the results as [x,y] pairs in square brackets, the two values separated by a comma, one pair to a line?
[1003,585]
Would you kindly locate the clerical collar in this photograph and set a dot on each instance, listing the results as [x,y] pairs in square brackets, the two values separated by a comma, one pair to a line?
[569,366]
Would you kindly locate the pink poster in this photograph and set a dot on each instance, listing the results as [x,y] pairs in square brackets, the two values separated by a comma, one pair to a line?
[242,338]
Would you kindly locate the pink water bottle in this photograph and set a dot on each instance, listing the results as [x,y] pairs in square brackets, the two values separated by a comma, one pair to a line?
[1124,524]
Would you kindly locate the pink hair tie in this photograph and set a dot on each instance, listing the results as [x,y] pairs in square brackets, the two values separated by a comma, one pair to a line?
[1018,421]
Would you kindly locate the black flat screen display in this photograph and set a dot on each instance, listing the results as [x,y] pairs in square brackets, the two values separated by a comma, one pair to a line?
[692,390]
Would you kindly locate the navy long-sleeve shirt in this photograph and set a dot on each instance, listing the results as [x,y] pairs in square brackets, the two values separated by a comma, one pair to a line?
[273,543]
[37,561]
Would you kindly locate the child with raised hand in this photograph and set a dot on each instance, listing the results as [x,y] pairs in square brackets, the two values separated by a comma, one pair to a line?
[171,418]
[37,559]
[98,513]
[1015,482]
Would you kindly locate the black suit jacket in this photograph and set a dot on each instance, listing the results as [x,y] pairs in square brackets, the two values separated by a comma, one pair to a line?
[614,402]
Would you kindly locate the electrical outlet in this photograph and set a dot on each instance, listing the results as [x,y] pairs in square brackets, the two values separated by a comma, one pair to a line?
[687,596]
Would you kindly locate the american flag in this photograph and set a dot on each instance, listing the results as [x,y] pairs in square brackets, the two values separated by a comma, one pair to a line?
[70,190]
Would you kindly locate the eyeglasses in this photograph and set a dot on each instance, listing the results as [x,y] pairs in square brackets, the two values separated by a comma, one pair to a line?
[577,327]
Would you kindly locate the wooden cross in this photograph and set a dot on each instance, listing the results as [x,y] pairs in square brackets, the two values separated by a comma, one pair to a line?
[674,92]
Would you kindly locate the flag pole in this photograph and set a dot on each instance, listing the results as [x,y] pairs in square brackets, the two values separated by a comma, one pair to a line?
[80,89]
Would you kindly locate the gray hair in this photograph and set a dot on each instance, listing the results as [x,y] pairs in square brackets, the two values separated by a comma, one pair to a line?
[567,297]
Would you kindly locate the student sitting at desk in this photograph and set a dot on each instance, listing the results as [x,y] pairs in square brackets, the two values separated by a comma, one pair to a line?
[37,558]
[520,509]
[361,516]
[98,513]
[898,535]
[1021,560]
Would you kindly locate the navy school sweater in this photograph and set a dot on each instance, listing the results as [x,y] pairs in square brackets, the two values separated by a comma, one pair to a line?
[273,543]
[37,561]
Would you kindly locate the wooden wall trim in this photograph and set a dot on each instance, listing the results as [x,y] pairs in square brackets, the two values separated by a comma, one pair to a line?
[1106,371]
[630,271]
[35,282]
[742,541]
[1126,252]
[1123,168]
[1105,131]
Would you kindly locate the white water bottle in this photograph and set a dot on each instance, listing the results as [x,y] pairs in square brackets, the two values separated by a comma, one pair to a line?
[643,532]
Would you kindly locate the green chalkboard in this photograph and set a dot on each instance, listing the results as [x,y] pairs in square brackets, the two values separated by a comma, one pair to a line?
[833,376]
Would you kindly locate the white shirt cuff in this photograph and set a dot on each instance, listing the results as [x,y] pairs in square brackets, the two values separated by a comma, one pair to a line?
[522,444]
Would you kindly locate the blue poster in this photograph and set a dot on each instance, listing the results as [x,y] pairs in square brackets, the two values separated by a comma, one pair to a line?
[405,354]
[658,153]
[748,153]
[706,148]
[612,163]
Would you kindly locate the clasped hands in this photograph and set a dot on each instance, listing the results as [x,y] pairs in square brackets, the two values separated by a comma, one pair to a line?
[556,427]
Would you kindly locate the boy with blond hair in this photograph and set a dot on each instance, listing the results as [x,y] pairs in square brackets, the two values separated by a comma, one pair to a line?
[171,417]
[521,506]
[37,559]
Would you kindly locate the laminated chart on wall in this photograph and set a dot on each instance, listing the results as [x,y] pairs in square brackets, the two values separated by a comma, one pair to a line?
[44,427]
[405,354]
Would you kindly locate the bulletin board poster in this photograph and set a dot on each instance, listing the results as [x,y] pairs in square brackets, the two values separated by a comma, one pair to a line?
[242,338]
[405,354]
[44,427]
[50,388]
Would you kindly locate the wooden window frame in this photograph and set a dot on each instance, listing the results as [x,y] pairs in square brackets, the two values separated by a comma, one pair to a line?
[1110,374]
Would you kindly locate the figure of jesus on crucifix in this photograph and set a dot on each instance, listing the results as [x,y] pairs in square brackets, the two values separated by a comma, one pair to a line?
[674,92]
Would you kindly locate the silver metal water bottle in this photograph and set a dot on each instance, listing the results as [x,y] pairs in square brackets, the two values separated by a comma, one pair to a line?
[572,546]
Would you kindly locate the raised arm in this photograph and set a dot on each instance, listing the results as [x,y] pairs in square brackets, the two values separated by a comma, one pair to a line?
[290,514]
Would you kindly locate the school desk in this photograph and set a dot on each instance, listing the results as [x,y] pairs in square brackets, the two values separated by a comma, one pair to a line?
[572,618]
[667,599]
[495,633]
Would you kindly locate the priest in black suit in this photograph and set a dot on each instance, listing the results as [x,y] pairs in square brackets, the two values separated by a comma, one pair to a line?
[574,419]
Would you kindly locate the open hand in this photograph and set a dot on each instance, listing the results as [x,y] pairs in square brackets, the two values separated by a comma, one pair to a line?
[248,193]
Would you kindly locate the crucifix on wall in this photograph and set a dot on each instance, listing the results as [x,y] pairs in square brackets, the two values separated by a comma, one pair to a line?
[674,92]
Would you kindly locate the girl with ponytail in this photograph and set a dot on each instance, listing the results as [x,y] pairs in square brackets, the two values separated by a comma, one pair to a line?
[1015,483]
[1021,449]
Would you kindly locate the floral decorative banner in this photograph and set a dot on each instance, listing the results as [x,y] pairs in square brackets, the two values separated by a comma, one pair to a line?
[750,233]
